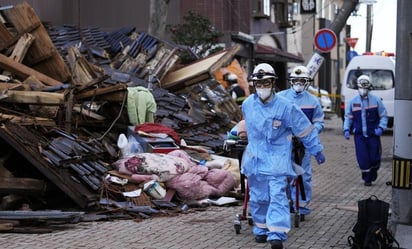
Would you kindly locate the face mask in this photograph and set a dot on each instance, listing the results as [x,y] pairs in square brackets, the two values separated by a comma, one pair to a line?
[363,92]
[298,88]
[264,93]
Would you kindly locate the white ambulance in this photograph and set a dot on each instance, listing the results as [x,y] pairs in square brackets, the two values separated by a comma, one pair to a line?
[381,71]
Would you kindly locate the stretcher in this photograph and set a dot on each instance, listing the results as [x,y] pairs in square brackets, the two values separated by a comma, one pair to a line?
[298,152]
[238,146]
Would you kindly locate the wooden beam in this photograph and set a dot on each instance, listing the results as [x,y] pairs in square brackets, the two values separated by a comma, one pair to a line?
[11,86]
[23,71]
[88,113]
[5,35]
[33,97]
[14,185]
[21,47]
[9,42]
[101,91]
[25,120]
[22,16]
[32,83]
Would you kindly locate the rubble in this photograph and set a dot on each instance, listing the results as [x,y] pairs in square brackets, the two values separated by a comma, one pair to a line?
[63,104]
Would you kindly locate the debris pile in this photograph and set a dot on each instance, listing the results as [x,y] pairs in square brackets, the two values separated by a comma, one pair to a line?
[66,97]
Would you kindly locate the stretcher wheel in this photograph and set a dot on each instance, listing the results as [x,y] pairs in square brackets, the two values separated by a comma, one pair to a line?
[238,223]
[237,228]
[297,220]
[250,221]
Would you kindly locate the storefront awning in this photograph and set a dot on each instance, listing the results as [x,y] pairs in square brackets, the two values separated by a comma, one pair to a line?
[275,54]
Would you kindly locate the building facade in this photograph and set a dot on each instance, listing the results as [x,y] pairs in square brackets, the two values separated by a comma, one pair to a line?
[279,32]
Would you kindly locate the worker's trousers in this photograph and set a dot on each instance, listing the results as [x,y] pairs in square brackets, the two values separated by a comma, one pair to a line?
[269,206]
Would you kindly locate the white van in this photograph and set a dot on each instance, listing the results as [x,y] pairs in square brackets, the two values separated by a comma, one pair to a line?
[381,71]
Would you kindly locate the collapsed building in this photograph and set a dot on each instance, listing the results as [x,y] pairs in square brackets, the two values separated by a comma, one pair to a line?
[67,93]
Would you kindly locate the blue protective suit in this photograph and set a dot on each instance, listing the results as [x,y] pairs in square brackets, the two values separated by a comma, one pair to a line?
[311,106]
[362,117]
[267,161]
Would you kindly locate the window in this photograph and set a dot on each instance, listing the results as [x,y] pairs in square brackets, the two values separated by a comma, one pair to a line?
[261,8]
[266,7]
[283,14]
[380,79]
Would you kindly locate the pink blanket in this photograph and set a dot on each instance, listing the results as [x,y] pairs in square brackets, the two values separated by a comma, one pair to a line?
[199,183]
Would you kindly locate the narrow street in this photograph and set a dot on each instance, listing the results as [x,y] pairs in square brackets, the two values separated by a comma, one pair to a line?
[337,188]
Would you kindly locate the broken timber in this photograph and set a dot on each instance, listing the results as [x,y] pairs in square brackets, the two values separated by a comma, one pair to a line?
[25,71]
[42,55]
[22,140]
[33,97]
[15,185]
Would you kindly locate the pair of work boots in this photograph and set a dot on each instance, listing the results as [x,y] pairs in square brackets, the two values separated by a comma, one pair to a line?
[275,244]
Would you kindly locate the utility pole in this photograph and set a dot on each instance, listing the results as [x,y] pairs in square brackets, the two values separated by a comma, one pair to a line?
[336,26]
[402,145]
[369,27]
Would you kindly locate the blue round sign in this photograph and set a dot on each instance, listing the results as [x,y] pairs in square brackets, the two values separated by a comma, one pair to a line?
[350,54]
[325,40]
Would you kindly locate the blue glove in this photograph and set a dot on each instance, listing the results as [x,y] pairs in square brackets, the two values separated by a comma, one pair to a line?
[320,158]
[346,134]
[378,131]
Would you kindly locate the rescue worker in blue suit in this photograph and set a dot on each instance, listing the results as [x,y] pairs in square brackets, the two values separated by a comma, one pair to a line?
[367,116]
[300,80]
[271,122]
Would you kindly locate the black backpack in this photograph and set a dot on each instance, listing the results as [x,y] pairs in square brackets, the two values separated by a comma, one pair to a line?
[370,230]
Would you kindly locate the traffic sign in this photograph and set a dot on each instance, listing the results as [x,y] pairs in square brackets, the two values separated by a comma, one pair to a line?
[351,41]
[350,54]
[325,40]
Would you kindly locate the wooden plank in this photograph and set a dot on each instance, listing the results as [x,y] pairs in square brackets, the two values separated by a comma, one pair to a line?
[21,17]
[11,86]
[191,71]
[5,35]
[32,83]
[118,96]
[33,97]
[226,59]
[15,38]
[199,70]
[25,120]
[88,113]
[20,49]
[83,72]
[23,71]
[22,46]
[14,185]
[101,91]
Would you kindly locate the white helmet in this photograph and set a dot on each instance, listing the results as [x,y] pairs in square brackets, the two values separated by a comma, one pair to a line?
[232,77]
[263,71]
[364,82]
[299,78]
[300,72]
